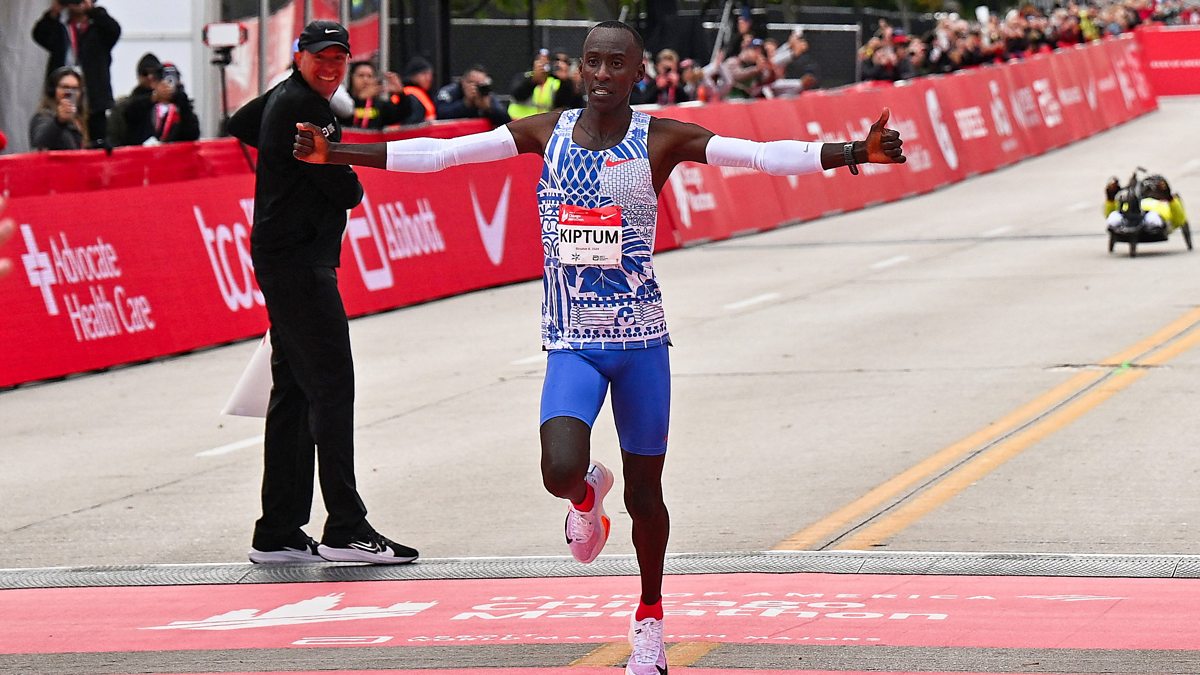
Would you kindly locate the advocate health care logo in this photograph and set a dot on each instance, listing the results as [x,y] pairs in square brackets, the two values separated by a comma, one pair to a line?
[82,282]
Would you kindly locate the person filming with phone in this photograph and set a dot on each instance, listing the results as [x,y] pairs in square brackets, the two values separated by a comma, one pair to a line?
[61,121]
[79,33]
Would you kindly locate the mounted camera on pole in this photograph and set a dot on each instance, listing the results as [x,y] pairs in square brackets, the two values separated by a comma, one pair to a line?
[222,38]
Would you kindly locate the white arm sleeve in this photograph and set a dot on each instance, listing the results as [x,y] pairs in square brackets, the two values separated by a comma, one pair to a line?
[778,158]
[424,155]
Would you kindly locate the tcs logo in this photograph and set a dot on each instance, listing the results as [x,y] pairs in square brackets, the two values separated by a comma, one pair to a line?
[228,249]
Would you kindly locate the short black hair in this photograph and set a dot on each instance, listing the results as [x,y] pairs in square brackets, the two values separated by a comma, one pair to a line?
[359,64]
[621,25]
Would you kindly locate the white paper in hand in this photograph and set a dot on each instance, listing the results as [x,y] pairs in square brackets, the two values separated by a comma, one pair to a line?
[253,389]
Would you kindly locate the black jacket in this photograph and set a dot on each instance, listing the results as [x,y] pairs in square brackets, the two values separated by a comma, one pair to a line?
[299,208]
[95,52]
[46,133]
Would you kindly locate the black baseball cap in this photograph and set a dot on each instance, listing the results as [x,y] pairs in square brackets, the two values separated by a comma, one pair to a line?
[319,35]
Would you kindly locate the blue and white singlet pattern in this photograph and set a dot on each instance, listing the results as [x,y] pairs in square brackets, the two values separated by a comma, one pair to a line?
[590,306]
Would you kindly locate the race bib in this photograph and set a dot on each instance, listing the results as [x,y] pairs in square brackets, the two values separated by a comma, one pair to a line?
[589,236]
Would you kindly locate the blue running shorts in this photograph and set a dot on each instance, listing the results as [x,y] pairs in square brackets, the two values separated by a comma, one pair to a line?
[578,379]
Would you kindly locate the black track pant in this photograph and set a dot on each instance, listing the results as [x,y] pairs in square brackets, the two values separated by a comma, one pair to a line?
[312,404]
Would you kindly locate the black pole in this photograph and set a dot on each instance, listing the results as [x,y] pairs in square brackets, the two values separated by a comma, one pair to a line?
[443,41]
[532,29]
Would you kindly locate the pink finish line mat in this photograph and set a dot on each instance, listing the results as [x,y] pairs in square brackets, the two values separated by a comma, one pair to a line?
[919,611]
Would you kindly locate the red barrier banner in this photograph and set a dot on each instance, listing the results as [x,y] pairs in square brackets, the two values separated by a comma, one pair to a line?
[149,271]
[707,202]
[128,278]
[1171,55]
[800,197]
[416,237]
[976,106]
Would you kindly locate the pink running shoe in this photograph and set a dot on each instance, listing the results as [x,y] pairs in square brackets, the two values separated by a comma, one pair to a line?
[587,531]
[649,655]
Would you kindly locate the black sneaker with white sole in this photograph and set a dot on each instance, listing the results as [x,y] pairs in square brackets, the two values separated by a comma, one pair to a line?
[370,547]
[302,549]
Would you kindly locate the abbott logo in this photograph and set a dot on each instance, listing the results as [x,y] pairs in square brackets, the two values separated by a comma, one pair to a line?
[235,278]
[491,230]
[366,228]
[39,270]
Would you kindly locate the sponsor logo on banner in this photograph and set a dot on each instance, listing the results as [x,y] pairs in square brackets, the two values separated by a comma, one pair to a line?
[491,230]
[940,131]
[1000,118]
[970,123]
[228,248]
[1089,93]
[1024,108]
[87,276]
[404,235]
[321,609]
[687,183]
[1048,103]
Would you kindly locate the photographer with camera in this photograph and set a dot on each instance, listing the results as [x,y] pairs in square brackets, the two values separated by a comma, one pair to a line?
[470,97]
[78,33]
[534,91]
[61,121]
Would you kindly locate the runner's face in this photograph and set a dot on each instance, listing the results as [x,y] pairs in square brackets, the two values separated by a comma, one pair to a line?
[610,66]
[325,70]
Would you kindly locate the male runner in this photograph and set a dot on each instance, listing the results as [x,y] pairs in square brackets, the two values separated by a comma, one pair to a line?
[602,316]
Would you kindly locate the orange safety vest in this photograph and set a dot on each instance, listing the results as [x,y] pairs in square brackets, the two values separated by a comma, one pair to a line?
[420,95]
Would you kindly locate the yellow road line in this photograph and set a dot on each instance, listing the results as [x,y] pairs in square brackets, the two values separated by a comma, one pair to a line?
[607,654]
[977,468]
[686,653]
[826,530]
[822,531]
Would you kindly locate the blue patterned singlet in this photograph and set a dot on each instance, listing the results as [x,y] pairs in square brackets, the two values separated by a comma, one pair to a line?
[589,306]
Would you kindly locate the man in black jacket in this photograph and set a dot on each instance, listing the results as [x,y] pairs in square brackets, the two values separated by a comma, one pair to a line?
[299,216]
[77,33]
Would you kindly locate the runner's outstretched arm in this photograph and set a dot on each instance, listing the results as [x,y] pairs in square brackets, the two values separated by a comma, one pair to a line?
[692,143]
[424,155]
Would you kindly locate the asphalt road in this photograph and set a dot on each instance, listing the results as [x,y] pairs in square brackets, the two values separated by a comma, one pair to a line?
[969,370]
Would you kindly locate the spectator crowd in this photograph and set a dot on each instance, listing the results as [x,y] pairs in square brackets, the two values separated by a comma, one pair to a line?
[78,108]
[956,43]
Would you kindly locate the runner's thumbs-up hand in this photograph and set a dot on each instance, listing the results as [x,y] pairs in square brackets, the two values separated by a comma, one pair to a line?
[883,144]
[311,145]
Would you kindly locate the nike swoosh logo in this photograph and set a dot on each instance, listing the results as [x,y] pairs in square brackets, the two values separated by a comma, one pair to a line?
[330,30]
[371,547]
[616,162]
[491,230]
[607,217]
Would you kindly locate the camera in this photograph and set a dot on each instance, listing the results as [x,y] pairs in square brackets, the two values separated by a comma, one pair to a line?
[224,35]
[70,2]
[484,88]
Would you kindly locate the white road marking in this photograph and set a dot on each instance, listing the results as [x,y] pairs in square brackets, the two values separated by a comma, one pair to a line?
[894,260]
[226,449]
[529,360]
[997,231]
[748,302]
